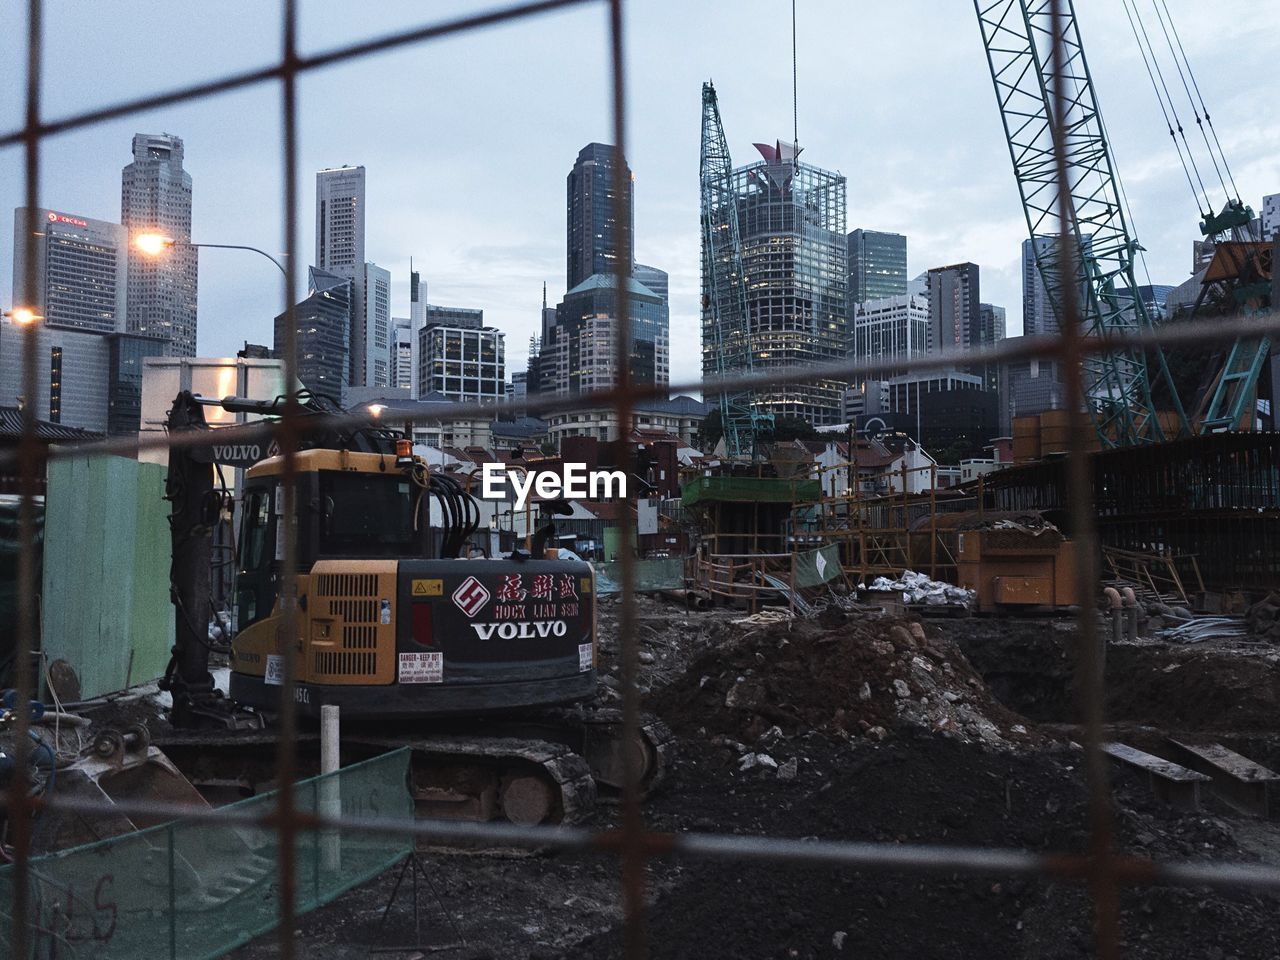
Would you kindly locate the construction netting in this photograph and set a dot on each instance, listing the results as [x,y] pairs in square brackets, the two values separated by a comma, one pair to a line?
[196,889]
[750,490]
[652,576]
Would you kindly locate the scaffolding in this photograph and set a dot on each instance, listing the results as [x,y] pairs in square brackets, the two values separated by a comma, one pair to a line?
[884,531]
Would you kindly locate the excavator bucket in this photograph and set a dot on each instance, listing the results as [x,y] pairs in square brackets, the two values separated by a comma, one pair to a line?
[121,768]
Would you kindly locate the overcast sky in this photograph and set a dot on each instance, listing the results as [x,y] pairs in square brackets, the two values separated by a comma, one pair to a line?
[467,141]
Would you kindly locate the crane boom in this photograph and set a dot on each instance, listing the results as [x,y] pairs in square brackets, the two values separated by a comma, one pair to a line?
[1018,37]
[725,321]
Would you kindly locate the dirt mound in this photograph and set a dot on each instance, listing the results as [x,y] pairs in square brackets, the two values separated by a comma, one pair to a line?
[837,674]
[927,789]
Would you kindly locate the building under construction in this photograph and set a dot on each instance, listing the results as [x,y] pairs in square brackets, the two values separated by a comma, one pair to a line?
[774,241]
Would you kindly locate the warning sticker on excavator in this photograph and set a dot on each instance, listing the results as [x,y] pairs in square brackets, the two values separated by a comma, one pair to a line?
[421,668]
[428,588]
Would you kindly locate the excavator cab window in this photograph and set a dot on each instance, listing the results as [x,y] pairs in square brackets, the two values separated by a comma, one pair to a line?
[367,515]
[256,585]
[253,538]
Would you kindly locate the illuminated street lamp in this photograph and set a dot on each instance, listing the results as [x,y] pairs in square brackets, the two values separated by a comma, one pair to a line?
[154,244]
[23,316]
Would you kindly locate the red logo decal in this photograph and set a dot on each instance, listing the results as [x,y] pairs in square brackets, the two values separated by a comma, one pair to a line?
[512,591]
[471,596]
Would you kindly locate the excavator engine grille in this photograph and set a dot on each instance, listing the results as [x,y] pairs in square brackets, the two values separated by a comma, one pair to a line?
[342,663]
[347,585]
[352,602]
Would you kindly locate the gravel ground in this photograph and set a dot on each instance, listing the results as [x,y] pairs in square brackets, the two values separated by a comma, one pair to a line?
[841,766]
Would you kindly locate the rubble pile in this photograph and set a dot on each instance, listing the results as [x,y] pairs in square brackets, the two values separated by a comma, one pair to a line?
[1263,618]
[669,639]
[838,675]
[918,588]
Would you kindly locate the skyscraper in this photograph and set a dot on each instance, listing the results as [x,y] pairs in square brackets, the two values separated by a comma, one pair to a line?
[1037,312]
[655,279]
[460,357]
[953,307]
[892,330]
[1038,315]
[371,335]
[125,355]
[577,352]
[155,197]
[791,218]
[991,323]
[581,354]
[340,220]
[322,322]
[82,268]
[402,353]
[991,329]
[595,239]
[417,320]
[877,265]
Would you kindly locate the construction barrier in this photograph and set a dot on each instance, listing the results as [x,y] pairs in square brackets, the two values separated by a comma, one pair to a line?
[199,889]
[652,576]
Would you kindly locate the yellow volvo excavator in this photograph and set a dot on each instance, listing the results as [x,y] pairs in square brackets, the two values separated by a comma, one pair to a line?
[469,661]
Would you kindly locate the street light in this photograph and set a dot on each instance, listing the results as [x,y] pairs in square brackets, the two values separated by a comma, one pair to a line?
[23,316]
[154,244]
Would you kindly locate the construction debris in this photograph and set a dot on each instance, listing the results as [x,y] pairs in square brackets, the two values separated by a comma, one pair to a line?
[843,676]
[1263,618]
[918,588]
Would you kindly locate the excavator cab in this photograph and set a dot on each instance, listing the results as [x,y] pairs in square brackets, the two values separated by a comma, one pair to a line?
[394,621]
[389,623]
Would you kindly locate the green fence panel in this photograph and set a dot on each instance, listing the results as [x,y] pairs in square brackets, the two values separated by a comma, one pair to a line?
[106,609]
[199,889]
[816,567]
[652,576]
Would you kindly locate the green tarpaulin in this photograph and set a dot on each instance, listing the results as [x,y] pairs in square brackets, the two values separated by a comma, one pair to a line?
[816,567]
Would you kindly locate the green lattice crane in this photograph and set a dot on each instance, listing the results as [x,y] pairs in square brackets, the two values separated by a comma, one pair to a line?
[726,325]
[1018,36]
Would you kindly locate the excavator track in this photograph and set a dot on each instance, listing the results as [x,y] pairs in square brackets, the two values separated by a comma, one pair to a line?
[521,780]
[550,769]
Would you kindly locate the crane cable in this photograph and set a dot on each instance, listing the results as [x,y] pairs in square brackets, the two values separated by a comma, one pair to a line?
[1131,14]
[1203,107]
[795,97]
[1181,76]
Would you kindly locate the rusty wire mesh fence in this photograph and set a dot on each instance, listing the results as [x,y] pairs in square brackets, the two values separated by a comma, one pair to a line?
[1100,867]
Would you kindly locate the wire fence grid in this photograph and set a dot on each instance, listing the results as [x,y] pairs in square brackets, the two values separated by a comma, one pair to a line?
[1101,867]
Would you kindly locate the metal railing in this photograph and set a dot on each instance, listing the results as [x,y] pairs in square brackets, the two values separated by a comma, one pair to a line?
[1101,868]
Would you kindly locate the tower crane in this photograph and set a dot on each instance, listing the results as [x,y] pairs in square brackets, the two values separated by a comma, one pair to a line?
[1018,36]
